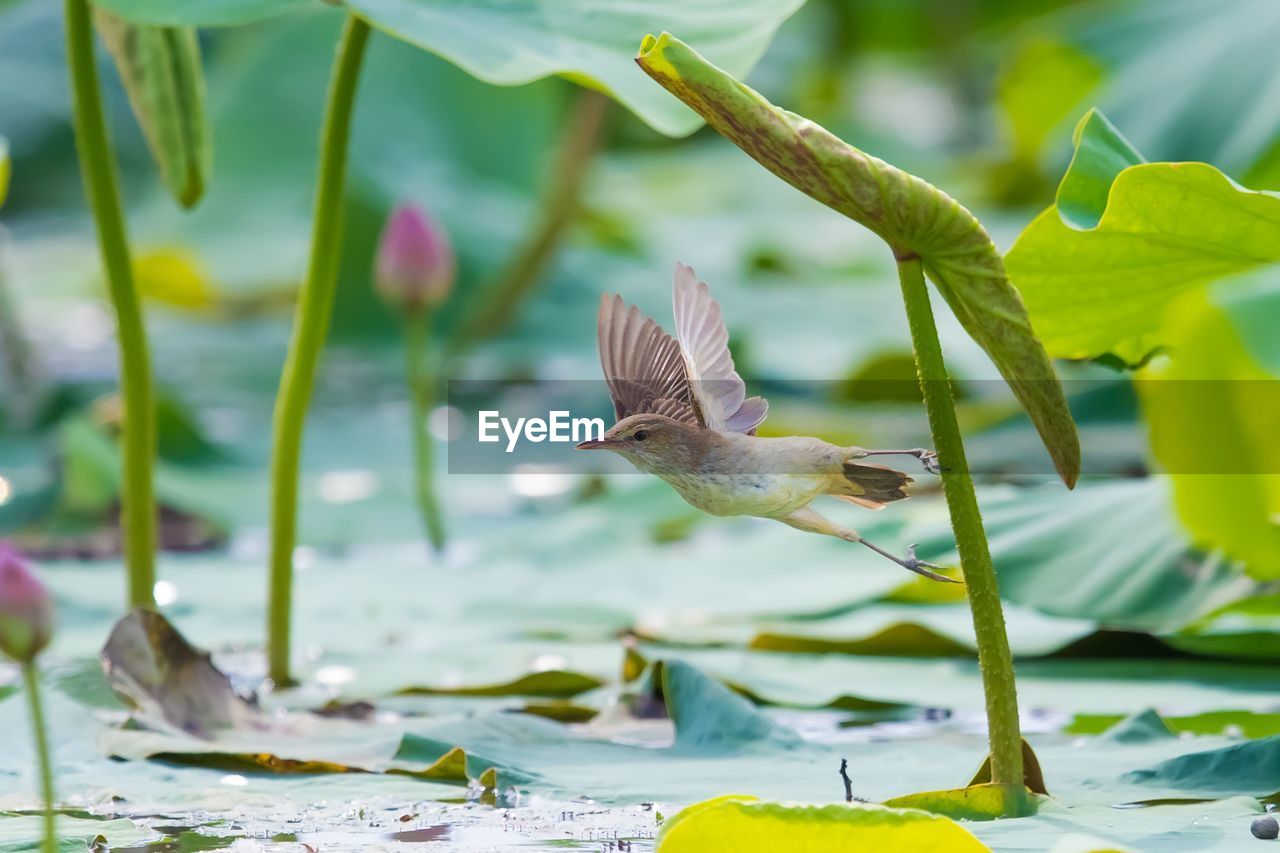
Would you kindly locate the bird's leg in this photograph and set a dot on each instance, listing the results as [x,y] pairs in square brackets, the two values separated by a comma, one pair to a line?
[810,520]
[928,458]
[911,564]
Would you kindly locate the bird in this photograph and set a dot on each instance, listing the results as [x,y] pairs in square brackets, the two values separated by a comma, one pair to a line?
[682,414]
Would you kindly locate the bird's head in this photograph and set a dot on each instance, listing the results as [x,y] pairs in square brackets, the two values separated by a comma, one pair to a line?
[650,441]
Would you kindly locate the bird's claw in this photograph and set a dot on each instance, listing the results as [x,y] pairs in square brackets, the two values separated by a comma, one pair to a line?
[929,461]
[922,567]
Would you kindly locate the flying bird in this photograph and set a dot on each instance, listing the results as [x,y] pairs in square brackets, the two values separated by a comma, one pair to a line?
[683,415]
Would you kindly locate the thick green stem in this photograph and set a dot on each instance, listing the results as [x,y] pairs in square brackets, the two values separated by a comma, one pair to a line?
[31,680]
[559,206]
[422,387]
[97,167]
[994,657]
[310,327]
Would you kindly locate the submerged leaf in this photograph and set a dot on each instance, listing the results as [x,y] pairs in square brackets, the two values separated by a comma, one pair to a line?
[736,824]
[161,71]
[913,217]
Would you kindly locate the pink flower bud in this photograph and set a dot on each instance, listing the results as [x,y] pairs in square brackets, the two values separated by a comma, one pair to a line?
[415,265]
[26,610]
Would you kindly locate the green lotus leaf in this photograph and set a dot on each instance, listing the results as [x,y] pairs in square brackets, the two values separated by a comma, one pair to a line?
[747,825]
[207,13]
[162,75]
[1099,270]
[1213,412]
[511,43]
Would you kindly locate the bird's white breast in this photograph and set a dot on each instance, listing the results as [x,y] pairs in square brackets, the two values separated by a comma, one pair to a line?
[746,475]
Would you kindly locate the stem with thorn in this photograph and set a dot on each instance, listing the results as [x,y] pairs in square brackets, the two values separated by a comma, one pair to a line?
[994,657]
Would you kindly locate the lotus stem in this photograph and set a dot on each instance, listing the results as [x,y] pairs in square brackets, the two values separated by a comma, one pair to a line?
[97,167]
[310,327]
[31,681]
[422,386]
[994,658]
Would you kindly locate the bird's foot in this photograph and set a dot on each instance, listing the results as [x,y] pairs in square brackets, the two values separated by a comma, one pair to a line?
[912,564]
[922,567]
[929,460]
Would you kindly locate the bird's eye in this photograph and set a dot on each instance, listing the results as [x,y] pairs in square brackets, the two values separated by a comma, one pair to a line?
[640,435]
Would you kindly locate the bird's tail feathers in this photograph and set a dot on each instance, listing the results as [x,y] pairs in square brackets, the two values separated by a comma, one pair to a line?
[871,486]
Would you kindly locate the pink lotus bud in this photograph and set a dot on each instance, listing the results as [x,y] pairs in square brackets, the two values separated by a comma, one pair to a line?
[26,610]
[415,265]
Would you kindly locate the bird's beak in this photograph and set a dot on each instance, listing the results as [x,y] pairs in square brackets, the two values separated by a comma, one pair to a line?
[595,444]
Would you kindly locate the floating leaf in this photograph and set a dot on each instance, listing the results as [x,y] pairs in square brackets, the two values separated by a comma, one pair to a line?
[1061,553]
[552,683]
[985,801]
[746,825]
[1250,724]
[1142,727]
[161,71]
[1252,767]
[1245,629]
[932,631]
[1167,228]
[913,217]
[735,725]
[904,639]
[24,833]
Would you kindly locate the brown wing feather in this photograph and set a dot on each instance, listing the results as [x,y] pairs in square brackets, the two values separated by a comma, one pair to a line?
[642,364]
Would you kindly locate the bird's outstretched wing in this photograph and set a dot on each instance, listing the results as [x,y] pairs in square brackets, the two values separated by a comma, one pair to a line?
[642,364]
[718,392]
